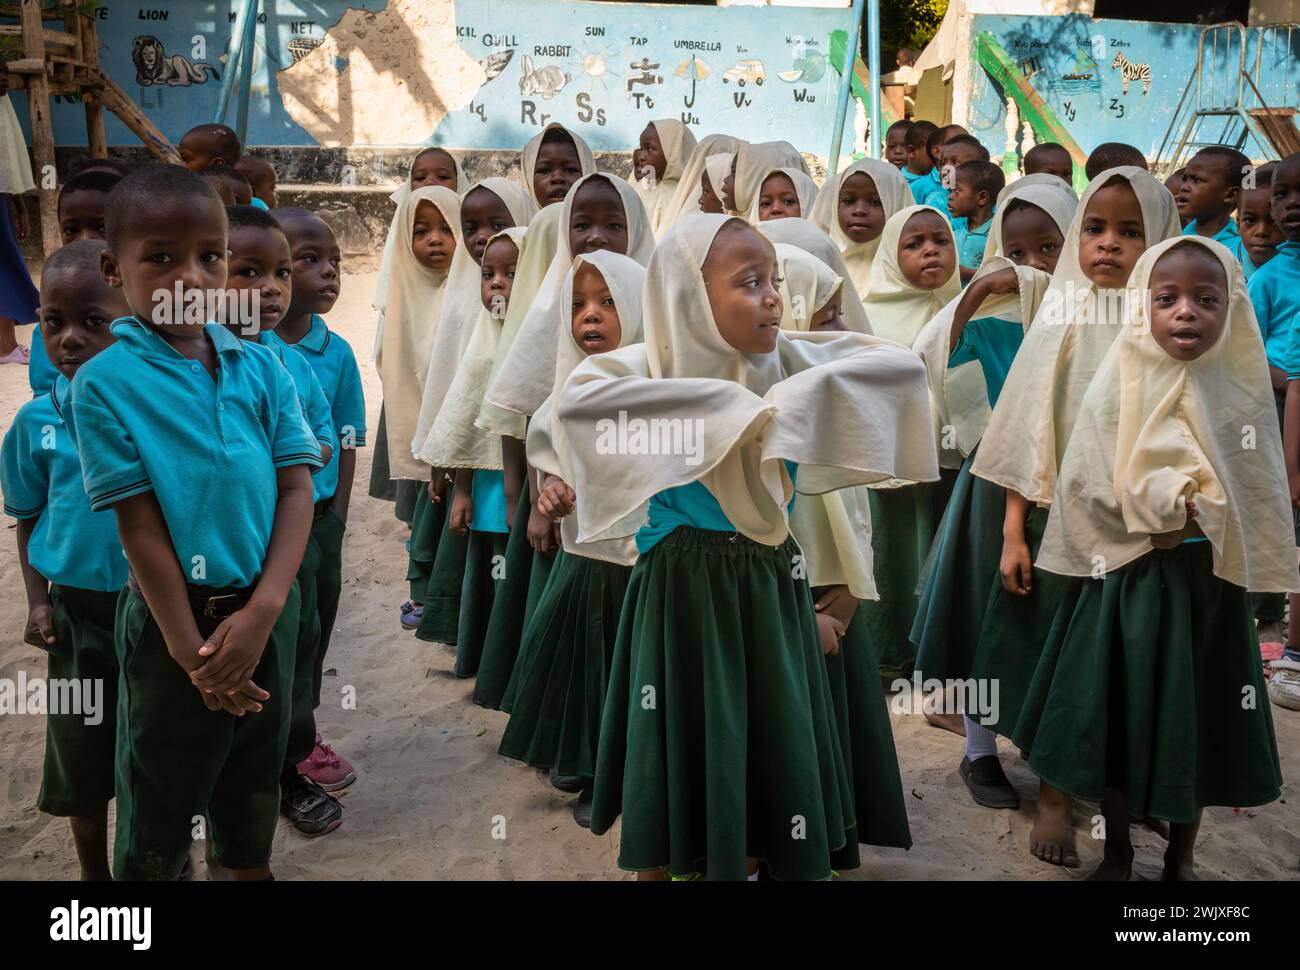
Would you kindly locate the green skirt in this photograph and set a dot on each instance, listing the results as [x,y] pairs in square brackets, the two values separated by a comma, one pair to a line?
[484,569]
[1156,691]
[428,526]
[539,572]
[961,567]
[903,522]
[1012,637]
[862,714]
[564,667]
[506,625]
[442,590]
[719,739]
[381,486]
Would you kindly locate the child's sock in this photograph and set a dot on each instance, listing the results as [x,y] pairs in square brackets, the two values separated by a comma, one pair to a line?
[980,741]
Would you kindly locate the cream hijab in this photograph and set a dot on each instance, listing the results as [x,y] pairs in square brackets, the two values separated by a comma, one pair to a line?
[899,310]
[686,200]
[413,303]
[813,241]
[894,195]
[535,261]
[754,162]
[1047,192]
[716,169]
[528,162]
[447,437]
[848,408]
[1073,329]
[625,278]
[461,308]
[960,394]
[527,371]
[833,530]
[1155,433]
[657,193]
[804,235]
[395,237]
[805,189]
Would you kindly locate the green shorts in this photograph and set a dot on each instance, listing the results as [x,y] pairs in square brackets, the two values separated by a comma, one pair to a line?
[78,775]
[178,762]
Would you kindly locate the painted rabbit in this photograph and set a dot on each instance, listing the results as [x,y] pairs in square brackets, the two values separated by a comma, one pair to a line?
[547,82]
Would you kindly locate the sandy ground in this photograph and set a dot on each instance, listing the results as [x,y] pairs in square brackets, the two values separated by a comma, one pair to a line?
[433,798]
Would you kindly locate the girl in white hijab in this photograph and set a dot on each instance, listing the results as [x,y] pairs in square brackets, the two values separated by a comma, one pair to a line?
[692,443]
[551,162]
[657,166]
[1173,521]
[686,200]
[853,207]
[557,690]
[967,360]
[783,193]
[431,166]
[753,163]
[717,172]
[1123,212]
[804,235]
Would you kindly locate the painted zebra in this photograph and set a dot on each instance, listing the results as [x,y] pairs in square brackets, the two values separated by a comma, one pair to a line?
[1132,72]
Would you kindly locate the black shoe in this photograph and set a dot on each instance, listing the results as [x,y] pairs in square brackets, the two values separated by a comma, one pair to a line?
[567,783]
[988,783]
[582,810]
[311,809]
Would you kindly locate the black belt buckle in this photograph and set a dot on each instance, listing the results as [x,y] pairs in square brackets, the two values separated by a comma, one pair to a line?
[210,608]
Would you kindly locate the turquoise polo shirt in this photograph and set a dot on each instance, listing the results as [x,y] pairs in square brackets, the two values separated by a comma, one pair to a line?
[490,512]
[144,418]
[1275,294]
[1228,235]
[41,477]
[311,398]
[336,368]
[257,203]
[928,190]
[690,505]
[993,343]
[41,374]
[970,242]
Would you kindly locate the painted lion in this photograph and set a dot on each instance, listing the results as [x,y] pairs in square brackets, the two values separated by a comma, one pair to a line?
[154,66]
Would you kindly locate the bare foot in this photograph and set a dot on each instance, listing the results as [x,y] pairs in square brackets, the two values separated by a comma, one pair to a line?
[1112,870]
[949,722]
[1178,867]
[1052,837]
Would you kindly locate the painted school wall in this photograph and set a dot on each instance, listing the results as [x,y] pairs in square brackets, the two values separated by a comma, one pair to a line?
[1069,62]
[480,74]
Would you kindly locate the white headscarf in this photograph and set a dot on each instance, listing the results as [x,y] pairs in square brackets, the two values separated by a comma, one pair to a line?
[413,303]
[1027,433]
[525,377]
[753,164]
[848,408]
[806,236]
[960,394]
[898,309]
[894,197]
[395,237]
[528,160]
[1048,192]
[686,200]
[447,436]
[625,278]
[657,194]
[716,170]
[805,189]
[1155,433]
[461,308]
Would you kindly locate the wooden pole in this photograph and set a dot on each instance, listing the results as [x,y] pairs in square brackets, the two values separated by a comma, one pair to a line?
[38,108]
[94,111]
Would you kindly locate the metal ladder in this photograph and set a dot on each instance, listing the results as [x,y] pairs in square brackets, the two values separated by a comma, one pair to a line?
[1240,76]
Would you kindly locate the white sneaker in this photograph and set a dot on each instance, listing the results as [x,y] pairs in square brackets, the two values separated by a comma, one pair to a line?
[1284,686]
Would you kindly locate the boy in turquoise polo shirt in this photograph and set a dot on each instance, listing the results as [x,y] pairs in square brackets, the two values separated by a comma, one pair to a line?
[1260,235]
[71,559]
[261,266]
[316,274]
[197,442]
[919,165]
[1210,190]
[976,187]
